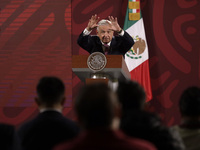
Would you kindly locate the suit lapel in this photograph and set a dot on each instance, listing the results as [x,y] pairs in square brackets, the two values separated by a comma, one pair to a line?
[98,47]
[112,45]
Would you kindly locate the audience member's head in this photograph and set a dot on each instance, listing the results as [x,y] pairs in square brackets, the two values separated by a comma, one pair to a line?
[50,91]
[49,127]
[190,102]
[136,122]
[131,95]
[96,106]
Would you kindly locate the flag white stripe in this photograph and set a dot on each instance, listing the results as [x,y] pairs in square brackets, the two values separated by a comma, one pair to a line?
[134,30]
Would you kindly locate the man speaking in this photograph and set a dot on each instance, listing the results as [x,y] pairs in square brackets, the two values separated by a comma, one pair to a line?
[105,41]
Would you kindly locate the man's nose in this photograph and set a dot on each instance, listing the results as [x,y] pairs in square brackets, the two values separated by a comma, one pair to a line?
[106,34]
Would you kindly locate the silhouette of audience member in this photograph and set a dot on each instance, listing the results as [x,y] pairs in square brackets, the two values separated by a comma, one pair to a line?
[49,127]
[8,137]
[98,113]
[136,122]
[189,128]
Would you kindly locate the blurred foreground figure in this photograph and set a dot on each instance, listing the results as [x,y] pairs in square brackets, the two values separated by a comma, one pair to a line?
[136,122]
[98,113]
[49,127]
[8,137]
[189,128]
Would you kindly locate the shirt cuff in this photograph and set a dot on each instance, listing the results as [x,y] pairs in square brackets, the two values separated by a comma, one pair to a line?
[86,32]
[121,33]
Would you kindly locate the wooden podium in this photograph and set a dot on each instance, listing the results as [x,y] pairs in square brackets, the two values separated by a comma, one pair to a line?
[115,69]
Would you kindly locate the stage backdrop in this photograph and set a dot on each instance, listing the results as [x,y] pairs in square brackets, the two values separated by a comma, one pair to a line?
[38,38]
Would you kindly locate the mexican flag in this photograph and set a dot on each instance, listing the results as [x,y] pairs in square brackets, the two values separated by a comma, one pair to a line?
[137,57]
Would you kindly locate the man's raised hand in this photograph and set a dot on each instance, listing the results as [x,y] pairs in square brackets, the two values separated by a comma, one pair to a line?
[114,24]
[93,22]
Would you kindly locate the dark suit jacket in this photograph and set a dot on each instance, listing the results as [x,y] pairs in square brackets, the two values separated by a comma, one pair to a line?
[119,44]
[46,130]
[148,126]
[8,138]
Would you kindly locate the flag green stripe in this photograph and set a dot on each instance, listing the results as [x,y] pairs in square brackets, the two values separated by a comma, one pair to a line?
[127,22]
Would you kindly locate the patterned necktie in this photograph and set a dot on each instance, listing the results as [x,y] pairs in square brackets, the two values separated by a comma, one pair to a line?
[106,48]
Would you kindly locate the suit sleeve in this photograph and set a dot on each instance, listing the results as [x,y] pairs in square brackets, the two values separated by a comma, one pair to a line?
[127,42]
[85,42]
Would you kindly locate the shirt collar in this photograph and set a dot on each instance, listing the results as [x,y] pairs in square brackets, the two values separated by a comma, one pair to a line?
[50,109]
[107,43]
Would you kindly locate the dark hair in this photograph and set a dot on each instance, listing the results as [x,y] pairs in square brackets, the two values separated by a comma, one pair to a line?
[50,89]
[131,95]
[95,105]
[190,102]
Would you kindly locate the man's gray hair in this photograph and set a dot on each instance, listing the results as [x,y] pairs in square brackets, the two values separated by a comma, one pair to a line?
[103,22]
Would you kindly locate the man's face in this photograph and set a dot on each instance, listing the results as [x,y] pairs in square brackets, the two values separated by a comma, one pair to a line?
[105,33]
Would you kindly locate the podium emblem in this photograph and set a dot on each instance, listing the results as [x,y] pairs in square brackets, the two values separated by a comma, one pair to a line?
[96,61]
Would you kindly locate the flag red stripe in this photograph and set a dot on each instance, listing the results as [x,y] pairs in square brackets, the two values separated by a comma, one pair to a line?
[141,75]
[137,10]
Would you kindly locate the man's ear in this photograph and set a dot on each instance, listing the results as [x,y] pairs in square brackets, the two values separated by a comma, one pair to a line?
[79,121]
[37,101]
[118,111]
[63,100]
